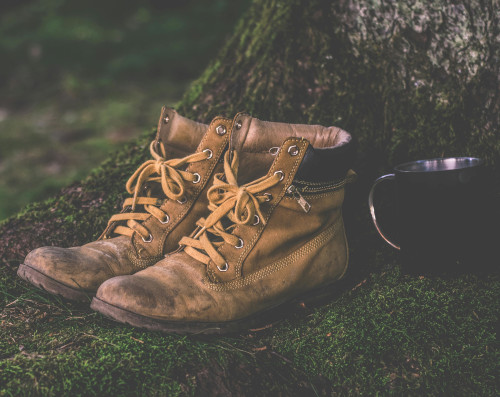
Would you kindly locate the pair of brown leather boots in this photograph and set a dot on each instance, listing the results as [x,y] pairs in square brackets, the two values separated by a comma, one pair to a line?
[226,223]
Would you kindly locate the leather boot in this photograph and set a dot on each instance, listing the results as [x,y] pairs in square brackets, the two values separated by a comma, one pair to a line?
[266,241]
[168,197]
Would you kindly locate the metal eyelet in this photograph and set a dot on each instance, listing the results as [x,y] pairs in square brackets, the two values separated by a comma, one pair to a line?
[224,268]
[257,220]
[182,200]
[238,125]
[240,244]
[293,150]
[198,178]
[150,238]
[166,119]
[210,154]
[274,150]
[167,219]
[281,173]
[269,196]
[221,130]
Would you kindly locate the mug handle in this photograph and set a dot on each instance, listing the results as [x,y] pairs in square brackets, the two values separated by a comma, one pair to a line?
[372,209]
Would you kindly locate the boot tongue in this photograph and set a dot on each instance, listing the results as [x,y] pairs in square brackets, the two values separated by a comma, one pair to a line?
[180,135]
[258,142]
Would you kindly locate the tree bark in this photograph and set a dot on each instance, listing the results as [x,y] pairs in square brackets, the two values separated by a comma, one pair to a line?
[409,79]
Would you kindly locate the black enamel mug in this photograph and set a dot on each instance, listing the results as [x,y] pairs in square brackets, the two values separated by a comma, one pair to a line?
[442,213]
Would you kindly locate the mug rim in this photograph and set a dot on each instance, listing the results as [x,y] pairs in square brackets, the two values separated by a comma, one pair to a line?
[420,167]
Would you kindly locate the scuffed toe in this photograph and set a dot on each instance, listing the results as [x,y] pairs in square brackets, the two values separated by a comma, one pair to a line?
[69,266]
[137,294]
[161,293]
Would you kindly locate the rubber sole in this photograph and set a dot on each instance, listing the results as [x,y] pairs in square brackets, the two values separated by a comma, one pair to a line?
[42,281]
[258,320]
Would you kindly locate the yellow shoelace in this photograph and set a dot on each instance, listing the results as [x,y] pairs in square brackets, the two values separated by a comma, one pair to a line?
[240,204]
[172,180]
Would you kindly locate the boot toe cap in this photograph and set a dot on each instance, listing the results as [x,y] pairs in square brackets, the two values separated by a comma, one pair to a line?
[159,293]
[136,293]
[68,266]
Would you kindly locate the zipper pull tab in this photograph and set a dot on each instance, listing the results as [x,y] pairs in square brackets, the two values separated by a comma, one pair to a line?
[300,199]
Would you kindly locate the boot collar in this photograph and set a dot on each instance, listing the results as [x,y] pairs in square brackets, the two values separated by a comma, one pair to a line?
[330,155]
[179,133]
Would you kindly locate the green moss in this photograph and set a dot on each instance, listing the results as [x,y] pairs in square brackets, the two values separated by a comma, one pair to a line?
[393,333]
[196,87]
[399,333]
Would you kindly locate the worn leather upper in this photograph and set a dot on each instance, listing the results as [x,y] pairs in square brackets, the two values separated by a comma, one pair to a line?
[288,252]
[88,266]
[257,142]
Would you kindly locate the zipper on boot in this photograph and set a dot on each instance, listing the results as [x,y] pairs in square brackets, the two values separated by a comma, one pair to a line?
[295,193]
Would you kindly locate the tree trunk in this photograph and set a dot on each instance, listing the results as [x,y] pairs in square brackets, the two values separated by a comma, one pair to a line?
[409,79]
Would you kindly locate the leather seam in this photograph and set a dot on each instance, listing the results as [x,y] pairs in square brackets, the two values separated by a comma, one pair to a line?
[310,246]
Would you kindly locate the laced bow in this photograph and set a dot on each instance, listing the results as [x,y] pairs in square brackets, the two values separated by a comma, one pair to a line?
[159,170]
[239,204]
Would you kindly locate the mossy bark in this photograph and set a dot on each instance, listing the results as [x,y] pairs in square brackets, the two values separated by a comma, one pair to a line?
[409,80]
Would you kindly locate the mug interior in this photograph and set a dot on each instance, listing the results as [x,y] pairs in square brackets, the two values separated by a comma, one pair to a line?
[439,164]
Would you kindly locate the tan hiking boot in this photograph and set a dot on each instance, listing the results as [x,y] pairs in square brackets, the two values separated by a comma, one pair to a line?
[169,196]
[265,242]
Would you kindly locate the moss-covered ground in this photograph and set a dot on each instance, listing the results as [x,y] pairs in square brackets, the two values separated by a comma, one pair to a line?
[383,332]
[391,334]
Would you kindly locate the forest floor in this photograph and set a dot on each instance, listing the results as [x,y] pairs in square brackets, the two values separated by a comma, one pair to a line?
[382,331]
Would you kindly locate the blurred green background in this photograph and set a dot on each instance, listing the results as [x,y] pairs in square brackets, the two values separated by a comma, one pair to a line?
[79,77]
